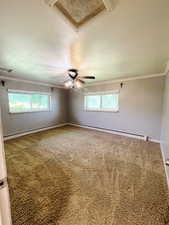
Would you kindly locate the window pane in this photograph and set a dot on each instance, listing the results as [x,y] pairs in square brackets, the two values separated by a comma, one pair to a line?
[23,102]
[40,102]
[110,102]
[93,102]
[19,102]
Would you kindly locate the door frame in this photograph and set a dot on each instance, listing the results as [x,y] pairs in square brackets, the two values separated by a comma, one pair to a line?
[5,209]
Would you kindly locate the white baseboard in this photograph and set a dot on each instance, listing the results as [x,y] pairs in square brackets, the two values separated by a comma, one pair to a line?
[110,131]
[33,131]
[155,140]
[77,125]
[162,152]
[121,133]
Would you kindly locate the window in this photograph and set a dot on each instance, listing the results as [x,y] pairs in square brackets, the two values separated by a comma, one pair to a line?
[107,101]
[93,102]
[24,101]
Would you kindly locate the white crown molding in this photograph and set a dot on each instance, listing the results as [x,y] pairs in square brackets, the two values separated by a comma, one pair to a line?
[125,79]
[86,85]
[93,83]
[30,82]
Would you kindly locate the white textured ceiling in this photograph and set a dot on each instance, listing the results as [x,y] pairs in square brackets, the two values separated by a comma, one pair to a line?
[40,44]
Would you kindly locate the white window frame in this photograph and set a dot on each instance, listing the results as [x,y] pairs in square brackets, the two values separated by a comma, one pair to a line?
[100,94]
[29,92]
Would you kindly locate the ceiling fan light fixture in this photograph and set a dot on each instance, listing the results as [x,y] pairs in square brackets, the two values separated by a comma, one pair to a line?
[69,84]
[78,84]
[76,81]
[72,73]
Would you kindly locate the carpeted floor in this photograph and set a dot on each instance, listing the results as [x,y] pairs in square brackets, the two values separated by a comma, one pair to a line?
[74,176]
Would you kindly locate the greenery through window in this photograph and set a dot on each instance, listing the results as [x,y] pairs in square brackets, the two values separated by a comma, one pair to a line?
[102,102]
[28,102]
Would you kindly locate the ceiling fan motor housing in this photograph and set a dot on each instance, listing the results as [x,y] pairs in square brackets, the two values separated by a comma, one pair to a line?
[73,73]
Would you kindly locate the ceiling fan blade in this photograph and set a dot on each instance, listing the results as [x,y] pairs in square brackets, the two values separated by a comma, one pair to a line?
[81,81]
[87,77]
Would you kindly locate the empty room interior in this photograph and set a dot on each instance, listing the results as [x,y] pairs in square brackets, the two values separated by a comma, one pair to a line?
[84,112]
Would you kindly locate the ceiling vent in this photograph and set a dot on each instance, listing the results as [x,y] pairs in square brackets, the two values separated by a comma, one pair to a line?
[79,12]
[109,4]
[50,2]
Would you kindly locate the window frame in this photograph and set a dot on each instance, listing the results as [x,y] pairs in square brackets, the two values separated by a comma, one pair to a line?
[29,92]
[101,94]
[85,104]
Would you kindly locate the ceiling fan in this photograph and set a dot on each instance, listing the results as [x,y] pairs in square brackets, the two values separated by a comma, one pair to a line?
[76,81]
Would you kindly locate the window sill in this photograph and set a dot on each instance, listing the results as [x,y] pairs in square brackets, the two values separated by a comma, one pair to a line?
[94,110]
[30,112]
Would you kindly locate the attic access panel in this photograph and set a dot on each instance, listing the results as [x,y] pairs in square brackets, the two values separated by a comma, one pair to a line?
[80,11]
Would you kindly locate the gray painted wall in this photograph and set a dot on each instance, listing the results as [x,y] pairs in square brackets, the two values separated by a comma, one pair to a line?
[22,122]
[165,124]
[140,107]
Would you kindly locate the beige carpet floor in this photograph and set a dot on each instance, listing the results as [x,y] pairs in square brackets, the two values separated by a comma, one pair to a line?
[74,176]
